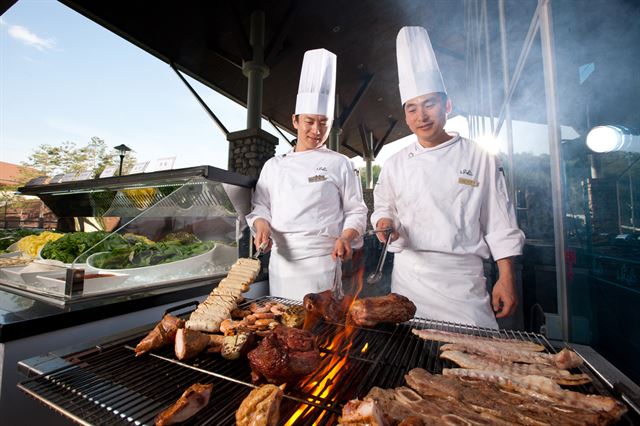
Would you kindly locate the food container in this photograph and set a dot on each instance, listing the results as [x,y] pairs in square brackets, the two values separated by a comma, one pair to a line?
[92,284]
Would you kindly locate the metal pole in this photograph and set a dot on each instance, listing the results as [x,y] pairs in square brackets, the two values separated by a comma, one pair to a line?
[334,134]
[507,106]
[255,70]
[487,50]
[555,154]
[368,163]
[121,161]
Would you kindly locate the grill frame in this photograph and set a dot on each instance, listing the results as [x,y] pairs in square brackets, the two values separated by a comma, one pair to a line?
[101,386]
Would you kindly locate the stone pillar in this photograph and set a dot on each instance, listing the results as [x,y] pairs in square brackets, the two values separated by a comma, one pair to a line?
[249,150]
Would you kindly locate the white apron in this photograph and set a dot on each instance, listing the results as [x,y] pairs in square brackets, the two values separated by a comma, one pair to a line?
[444,287]
[300,264]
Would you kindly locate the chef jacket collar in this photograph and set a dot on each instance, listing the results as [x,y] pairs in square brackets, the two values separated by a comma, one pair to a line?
[292,151]
[419,149]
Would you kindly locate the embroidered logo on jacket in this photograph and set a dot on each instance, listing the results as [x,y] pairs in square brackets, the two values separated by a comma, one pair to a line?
[317,178]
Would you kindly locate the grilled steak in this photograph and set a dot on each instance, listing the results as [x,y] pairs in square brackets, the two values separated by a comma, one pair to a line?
[370,311]
[324,305]
[284,356]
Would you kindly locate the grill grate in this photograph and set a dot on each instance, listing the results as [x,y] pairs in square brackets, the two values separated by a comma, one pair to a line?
[108,385]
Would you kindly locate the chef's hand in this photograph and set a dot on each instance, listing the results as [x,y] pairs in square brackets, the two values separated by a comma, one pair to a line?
[263,234]
[386,223]
[342,246]
[504,298]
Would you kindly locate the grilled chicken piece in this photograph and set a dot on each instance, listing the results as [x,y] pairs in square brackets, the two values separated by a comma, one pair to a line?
[190,343]
[194,399]
[324,305]
[366,412]
[164,333]
[261,407]
[392,308]
[284,356]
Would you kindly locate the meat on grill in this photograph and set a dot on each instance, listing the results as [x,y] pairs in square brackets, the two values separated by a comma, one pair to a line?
[392,308]
[358,413]
[438,399]
[284,356]
[190,343]
[564,359]
[449,337]
[261,407]
[194,399]
[324,305]
[164,333]
[478,362]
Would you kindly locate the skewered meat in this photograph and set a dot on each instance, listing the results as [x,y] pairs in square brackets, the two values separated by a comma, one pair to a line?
[293,317]
[164,333]
[324,305]
[194,399]
[448,337]
[477,362]
[190,343]
[544,389]
[284,356]
[392,308]
[564,359]
[366,412]
[261,407]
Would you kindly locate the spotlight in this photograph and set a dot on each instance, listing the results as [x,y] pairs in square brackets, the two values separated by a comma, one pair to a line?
[602,139]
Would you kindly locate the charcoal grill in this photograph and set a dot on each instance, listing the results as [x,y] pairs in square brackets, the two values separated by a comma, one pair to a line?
[108,385]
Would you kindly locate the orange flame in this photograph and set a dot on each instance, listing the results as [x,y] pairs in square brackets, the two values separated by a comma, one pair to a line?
[337,365]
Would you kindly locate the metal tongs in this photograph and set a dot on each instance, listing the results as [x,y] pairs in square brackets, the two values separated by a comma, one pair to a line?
[338,293]
[376,275]
[260,250]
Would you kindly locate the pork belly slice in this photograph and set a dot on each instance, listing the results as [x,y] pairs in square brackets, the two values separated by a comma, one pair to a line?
[564,359]
[477,362]
[261,407]
[392,308]
[164,333]
[194,399]
[449,337]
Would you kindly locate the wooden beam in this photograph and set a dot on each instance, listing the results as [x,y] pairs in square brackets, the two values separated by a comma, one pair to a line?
[381,142]
[347,112]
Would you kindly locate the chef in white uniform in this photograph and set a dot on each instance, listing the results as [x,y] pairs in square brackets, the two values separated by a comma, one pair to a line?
[447,201]
[308,202]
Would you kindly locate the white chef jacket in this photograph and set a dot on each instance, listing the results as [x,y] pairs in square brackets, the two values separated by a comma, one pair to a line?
[451,200]
[309,198]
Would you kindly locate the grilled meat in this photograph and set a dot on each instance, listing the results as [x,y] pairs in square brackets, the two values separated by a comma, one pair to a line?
[564,359]
[261,407]
[284,356]
[194,399]
[449,337]
[477,362]
[324,305]
[190,343]
[358,413]
[294,317]
[164,333]
[392,308]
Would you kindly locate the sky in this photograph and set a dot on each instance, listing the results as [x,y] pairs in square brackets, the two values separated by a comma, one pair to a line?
[65,78]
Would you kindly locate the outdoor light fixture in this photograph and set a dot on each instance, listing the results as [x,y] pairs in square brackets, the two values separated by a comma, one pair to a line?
[602,139]
[122,151]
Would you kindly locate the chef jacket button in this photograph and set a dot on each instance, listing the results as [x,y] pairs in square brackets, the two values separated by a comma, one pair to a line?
[410,154]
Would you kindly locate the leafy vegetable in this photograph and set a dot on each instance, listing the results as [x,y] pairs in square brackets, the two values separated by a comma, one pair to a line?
[141,254]
[74,244]
[10,236]
[181,237]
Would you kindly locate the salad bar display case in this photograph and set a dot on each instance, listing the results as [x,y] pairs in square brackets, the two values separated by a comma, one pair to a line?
[152,231]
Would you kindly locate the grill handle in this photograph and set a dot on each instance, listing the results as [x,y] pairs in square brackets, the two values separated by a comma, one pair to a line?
[631,397]
[193,303]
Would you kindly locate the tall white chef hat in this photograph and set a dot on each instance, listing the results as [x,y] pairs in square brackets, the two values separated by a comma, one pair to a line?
[317,88]
[418,70]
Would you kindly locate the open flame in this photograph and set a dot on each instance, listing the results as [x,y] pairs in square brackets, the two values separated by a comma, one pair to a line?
[335,362]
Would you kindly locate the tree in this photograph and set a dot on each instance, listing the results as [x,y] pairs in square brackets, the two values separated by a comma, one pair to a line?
[375,170]
[68,158]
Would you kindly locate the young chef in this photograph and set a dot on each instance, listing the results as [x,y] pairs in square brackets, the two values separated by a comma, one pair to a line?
[447,201]
[309,201]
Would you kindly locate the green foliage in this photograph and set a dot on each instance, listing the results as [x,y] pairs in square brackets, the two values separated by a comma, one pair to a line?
[375,169]
[69,158]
